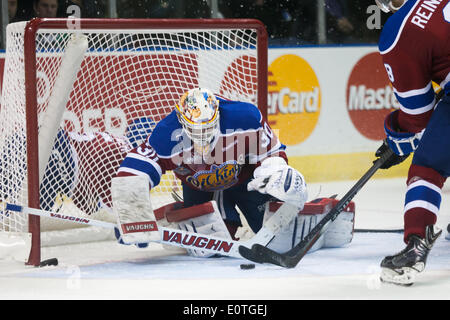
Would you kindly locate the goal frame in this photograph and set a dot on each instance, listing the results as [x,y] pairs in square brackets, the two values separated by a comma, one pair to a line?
[36,24]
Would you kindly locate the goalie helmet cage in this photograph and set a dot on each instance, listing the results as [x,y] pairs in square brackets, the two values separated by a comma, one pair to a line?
[78,77]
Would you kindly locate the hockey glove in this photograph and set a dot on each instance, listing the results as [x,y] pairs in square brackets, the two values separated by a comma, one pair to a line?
[392,160]
[402,143]
[276,178]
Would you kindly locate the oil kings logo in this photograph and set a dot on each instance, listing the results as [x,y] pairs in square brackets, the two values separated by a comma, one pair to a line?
[370,96]
[217,177]
[294,99]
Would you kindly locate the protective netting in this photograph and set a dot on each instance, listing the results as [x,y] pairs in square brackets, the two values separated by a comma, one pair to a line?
[125,82]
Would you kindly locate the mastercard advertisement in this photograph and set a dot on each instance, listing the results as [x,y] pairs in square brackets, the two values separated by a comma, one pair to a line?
[328,106]
[294,98]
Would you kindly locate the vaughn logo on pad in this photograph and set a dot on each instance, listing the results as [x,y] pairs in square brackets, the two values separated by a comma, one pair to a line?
[144,226]
[194,241]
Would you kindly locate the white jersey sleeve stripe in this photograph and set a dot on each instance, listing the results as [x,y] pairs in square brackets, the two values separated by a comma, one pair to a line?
[145,159]
[415,92]
[418,110]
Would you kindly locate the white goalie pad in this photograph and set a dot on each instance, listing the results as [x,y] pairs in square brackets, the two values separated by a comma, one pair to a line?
[202,219]
[338,234]
[15,246]
[132,205]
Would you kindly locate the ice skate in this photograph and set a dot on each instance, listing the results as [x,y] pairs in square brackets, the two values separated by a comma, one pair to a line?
[403,267]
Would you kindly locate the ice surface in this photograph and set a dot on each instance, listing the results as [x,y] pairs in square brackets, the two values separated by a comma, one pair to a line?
[107,270]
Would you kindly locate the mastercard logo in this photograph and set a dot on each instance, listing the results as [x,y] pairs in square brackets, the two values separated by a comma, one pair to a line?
[370,97]
[294,98]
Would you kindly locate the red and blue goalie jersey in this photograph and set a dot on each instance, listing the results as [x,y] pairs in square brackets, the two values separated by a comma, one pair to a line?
[415,46]
[245,139]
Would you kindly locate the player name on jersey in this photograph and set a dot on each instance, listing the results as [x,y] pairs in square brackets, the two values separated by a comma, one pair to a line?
[424,12]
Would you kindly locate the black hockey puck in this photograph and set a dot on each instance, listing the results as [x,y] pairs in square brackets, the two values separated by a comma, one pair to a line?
[247,266]
[49,262]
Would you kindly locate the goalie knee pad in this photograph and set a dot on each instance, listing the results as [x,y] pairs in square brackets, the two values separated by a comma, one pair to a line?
[204,219]
[338,234]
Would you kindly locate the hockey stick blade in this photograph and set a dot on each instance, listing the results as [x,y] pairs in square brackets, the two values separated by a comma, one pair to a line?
[289,259]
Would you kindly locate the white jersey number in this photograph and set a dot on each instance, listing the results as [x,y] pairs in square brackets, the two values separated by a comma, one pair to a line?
[389,72]
[446,12]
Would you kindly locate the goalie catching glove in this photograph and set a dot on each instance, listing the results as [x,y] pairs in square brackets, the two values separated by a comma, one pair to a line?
[276,178]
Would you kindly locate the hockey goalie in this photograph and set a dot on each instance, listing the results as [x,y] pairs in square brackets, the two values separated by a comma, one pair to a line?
[228,160]
[225,154]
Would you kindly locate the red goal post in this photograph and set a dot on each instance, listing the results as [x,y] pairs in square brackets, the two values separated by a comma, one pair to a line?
[87,76]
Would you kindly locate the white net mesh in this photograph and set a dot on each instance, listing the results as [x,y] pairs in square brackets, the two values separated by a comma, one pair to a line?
[92,112]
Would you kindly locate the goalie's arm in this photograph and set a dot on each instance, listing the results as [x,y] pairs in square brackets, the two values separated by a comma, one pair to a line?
[143,161]
[139,172]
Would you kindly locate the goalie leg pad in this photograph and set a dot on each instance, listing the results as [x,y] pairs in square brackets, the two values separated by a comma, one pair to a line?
[340,231]
[203,219]
[132,205]
[338,234]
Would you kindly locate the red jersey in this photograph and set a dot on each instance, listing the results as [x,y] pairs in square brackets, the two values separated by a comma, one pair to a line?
[415,47]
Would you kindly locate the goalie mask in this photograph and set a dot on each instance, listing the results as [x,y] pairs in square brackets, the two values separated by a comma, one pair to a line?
[387,6]
[198,113]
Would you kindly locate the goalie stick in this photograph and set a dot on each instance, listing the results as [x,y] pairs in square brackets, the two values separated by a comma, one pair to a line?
[261,254]
[176,237]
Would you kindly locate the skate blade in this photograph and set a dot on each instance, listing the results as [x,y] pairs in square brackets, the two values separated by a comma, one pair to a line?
[402,277]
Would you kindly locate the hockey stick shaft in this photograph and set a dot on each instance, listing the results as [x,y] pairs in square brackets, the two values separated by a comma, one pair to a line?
[59,216]
[169,236]
[173,237]
[292,257]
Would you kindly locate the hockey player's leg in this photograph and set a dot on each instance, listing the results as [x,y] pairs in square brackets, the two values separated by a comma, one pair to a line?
[228,212]
[427,174]
[250,203]
[422,202]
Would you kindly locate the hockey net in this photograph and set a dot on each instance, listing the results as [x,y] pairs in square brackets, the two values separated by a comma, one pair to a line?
[79,94]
